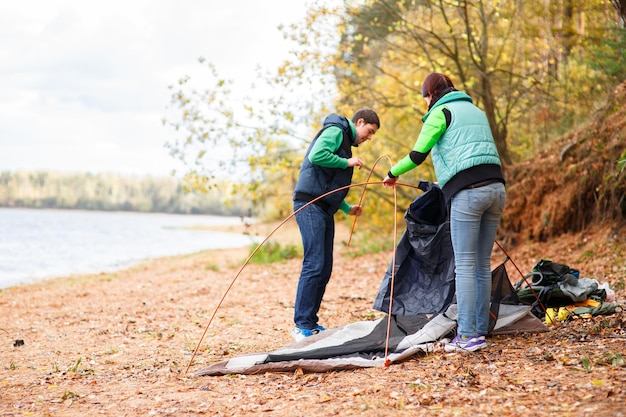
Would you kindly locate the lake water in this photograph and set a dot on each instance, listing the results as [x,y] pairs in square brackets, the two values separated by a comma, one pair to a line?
[39,244]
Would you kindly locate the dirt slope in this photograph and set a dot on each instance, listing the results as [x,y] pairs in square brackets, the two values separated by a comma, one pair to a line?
[575,183]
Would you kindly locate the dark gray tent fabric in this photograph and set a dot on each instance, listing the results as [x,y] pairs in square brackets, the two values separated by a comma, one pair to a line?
[371,343]
[424,261]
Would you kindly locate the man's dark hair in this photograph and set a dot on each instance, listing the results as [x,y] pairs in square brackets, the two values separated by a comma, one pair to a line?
[368,115]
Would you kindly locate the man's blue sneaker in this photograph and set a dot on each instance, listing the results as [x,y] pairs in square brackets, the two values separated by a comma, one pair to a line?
[300,333]
[465,343]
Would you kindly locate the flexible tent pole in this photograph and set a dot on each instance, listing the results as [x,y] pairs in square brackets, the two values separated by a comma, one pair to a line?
[522,275]
[195,351]
[367,181]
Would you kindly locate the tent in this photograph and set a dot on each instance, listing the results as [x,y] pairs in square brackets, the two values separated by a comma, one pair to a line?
[362,344]
[423,309]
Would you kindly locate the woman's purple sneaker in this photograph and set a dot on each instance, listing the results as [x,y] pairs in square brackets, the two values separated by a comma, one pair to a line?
[464,343]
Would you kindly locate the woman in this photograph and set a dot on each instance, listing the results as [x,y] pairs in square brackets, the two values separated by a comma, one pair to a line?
[468,170]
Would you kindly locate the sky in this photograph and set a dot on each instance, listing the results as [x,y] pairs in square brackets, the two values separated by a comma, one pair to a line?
[84,84]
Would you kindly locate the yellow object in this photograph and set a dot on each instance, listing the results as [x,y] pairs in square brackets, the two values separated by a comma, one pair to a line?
[551,315]
[554,314]
[563,314]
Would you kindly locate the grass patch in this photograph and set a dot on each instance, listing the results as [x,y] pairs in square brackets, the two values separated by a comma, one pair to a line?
[274,252]
[367,244]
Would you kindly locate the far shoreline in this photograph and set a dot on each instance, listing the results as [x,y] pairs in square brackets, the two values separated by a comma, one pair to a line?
[280,231]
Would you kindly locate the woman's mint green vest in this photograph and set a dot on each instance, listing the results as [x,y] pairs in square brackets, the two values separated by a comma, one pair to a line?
[467,142]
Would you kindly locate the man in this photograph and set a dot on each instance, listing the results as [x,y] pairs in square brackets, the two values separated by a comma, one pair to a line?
[328,165]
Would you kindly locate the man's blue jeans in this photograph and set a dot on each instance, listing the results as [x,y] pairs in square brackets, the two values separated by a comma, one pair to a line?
[317,228]
[474,217]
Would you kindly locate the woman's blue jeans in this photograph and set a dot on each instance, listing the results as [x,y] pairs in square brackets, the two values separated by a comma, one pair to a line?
[474,217]
[317,228]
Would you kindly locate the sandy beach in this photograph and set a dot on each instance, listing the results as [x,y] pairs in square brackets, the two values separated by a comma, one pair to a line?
[120,343]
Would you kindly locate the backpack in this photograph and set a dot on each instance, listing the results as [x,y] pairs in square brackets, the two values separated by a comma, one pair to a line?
[547,273]
[543,290]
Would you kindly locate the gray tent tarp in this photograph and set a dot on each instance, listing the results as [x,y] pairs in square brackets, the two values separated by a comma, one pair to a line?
[423,315]
[362,344]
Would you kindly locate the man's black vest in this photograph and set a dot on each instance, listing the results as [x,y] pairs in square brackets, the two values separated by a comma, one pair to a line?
[315,180]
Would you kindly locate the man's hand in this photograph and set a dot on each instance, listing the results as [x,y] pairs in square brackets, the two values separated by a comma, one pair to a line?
[355,211]
[355,161]
[389,182]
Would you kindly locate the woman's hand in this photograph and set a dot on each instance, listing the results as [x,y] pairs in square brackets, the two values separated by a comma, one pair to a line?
[389,182]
